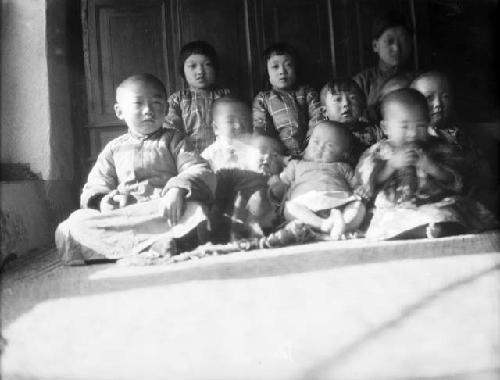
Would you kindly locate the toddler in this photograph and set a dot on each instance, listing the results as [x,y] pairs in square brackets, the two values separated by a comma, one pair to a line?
[232,125]
[436,88]
[320,186]
[288,111]
[242,207]
[413,177]
[190,110]
[136,193]
[343,102]
[392,43]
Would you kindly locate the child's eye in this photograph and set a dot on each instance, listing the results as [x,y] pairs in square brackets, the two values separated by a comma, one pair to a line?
[353,97]
[337,98]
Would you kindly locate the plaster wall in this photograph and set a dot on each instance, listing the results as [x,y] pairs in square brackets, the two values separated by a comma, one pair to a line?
[25,113]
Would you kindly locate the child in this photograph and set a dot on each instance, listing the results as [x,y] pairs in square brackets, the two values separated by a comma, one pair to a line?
[392,43]
[140,182]
[343,103]
[232,125]
[320,186]
[288,111]
[242,207]
[393,83]
[413,179]
[436,88]
[190,109]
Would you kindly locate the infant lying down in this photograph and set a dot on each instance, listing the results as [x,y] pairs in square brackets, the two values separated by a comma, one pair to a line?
[319,189]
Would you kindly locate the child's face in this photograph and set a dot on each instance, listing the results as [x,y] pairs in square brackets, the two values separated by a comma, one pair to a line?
[343,107]
[231,120]
[327,144]
[142,106]
[199,71]
[437,92]
[281,69]
[393,46]
[405,124]
[269,160]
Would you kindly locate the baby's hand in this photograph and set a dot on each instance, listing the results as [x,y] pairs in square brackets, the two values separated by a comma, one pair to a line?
[403,158]
[172,204]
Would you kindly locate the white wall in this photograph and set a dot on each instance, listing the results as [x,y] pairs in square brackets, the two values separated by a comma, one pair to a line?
[25,113]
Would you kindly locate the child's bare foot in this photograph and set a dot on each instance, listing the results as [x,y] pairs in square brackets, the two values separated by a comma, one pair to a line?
[338,225]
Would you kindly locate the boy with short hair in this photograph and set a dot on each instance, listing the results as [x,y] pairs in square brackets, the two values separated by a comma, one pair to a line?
[343,102]
[232,124]
[392,43]
[413,178]
[138,188]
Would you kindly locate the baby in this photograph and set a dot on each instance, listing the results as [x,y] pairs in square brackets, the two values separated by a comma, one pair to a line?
[288,111]
[190,110]
[232,125]
[343,102]
[413,178]
[392,43]
[320,186]
[242,206]
[138,189]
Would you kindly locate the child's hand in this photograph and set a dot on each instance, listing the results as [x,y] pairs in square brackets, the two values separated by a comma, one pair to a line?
[107,203]
[403,158]
[114,200]
[172,204]
[273,180]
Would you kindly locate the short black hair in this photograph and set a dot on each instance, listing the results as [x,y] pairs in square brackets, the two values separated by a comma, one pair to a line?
[281,48]
[197,47]
[431,74]
[342,84]
[401,80]
[406,97]
[387,20]
[146,78]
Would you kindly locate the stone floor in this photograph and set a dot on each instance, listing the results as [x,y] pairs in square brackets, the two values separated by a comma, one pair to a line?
[425,309]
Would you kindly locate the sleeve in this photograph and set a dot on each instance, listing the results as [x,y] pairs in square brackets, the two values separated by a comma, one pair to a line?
[174,115]
[262,123]
[194,173]
[369,165]
[287,176]
[450,160]
[101,180]
[362,81]
[350,177]
[314,110]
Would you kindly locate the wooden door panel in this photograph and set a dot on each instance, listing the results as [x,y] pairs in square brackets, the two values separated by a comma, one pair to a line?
[125,37]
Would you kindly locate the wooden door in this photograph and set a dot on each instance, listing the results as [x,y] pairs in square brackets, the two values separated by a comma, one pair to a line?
[121,38]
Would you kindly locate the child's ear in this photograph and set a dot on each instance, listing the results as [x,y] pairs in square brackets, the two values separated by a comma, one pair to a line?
[375,45]
[118,111]
[322,109]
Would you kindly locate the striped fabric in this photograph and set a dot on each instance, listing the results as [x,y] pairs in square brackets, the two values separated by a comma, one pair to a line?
[287,115]
[190,111]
